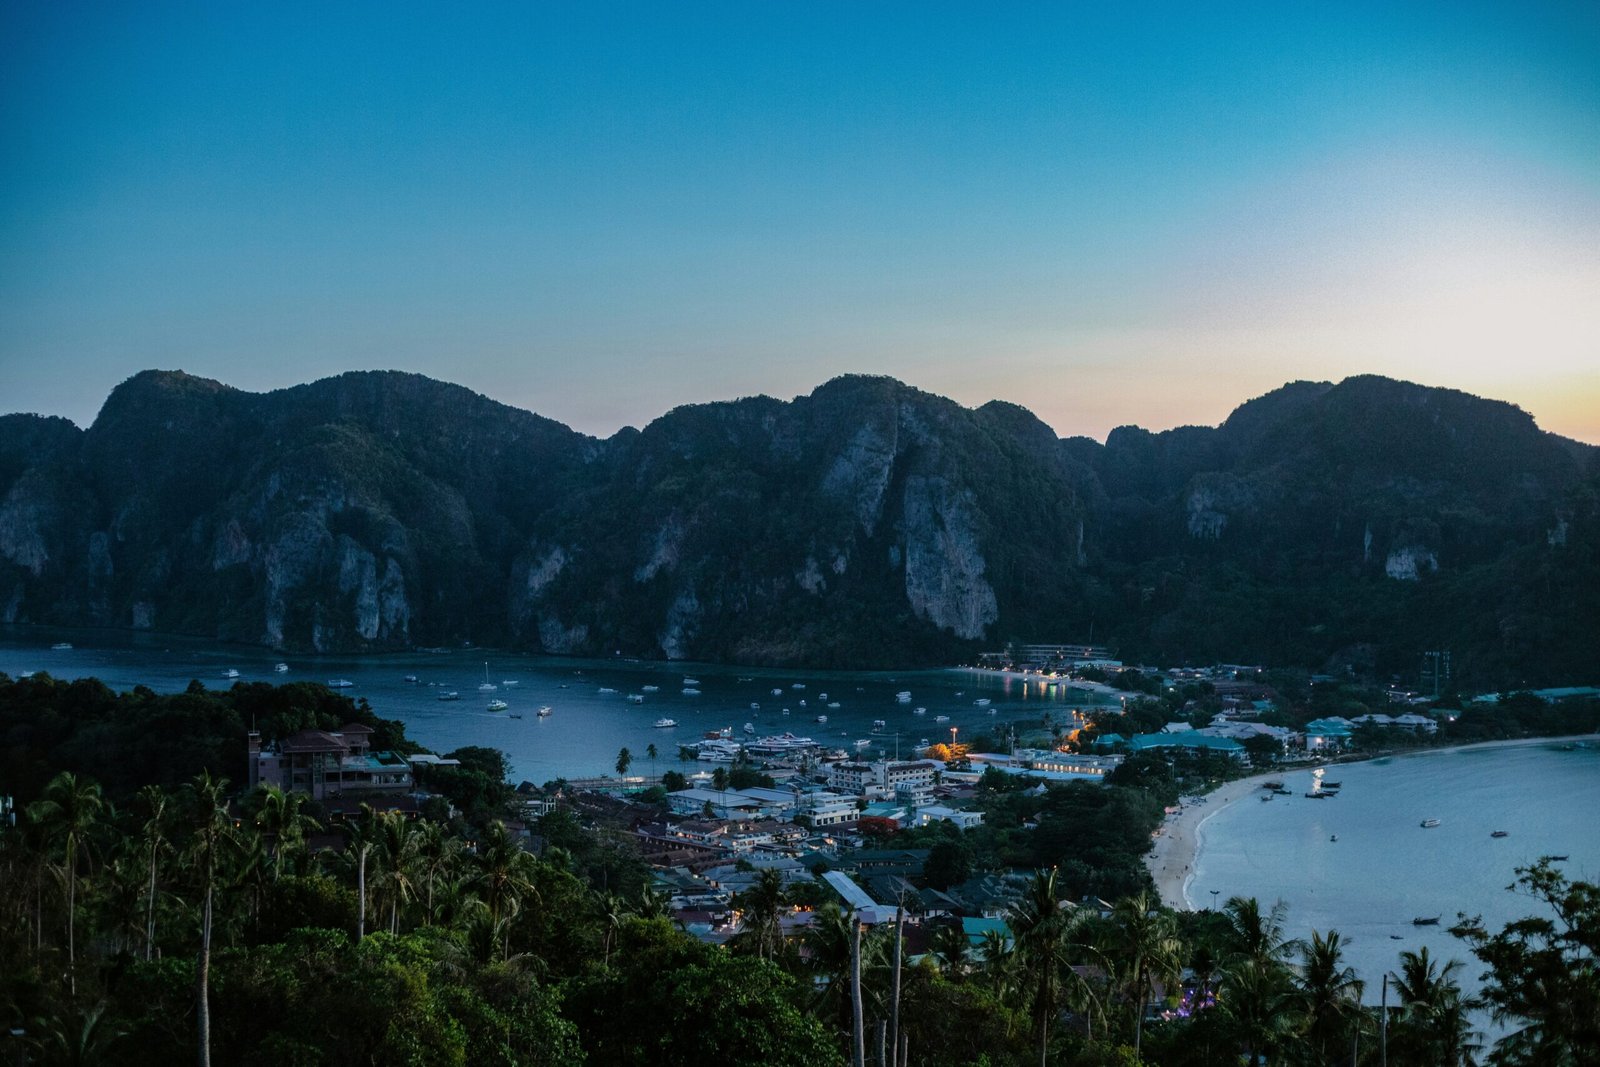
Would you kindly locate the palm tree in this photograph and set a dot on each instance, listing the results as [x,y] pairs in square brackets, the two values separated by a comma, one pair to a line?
[624,761]
[1260,1001]
[395,851]
[1254,936]
[75,1037]
[281,820]
[762,905]
[209,826]
[1144,942]
[1044,926]
[650,751]
[438,853]
[69,809]
[363,835]
[506,875]
[1434,1015]
[950,945]
[1331,993]
[153,840]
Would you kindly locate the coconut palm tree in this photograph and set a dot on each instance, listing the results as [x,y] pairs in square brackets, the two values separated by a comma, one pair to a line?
[207,820]
[395,853]
[507,875]
[68,811]
[1434,1021]
[1330,992]
[363,836]
[438,856]
[1257,936]
[281,820]
[1144,945]
[950,946]
[1262,1005]
[762,906]
[153,840]
[1044,928]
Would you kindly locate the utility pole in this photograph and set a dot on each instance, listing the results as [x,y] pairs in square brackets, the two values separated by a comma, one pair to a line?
[1383,1024]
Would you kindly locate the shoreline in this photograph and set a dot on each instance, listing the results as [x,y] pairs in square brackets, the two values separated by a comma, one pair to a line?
[1096,688]
[1178,843]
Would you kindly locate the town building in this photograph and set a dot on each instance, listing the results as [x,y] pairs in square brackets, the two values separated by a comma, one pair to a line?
[328,763]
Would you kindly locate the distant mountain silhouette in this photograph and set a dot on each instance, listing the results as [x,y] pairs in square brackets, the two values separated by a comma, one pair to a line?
[867,524]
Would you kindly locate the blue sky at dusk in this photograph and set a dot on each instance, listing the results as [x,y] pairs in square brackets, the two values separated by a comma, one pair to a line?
[1107,213]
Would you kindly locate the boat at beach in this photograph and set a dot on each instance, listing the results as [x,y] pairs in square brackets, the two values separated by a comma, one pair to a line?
[1272,785]
[1429,824]
[1419,921]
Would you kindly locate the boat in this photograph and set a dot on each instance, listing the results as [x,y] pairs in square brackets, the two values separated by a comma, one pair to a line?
[340,683]
[486,686]
[1396,937]
[904,696]
[879,724]
[1330,785]
[651,688]
[923,743]
[1500,833]
[409,679]
[636,698]
[920,711]
[690,681]
[983,702]
[822,718]
[1272,785]
[515,715]
[1558,859]
[449,695]
[777,692]
[798,685]
[498,705]
[1429,824]
[544,711]
[691,692]
[230,673]
[822,696]
[61,646]
[749,727]
[1420,921]
[1266,797]
[1333,837]
[862,742]
[283,668]
[994,711]
[941,718]
[802,703]
[833,703]
[510,683]
[664,724]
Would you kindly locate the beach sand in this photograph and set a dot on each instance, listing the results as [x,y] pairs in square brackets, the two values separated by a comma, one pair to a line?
[1172,858]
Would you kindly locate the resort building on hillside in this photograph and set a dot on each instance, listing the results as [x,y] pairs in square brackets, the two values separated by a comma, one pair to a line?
[1328,734]
[328,763]
[1417,724]
[1193,740]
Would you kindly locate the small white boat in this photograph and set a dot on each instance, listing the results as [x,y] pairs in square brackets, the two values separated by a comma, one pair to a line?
[798,685]
[904,696]
[651,688]
[941,718]
[411,679]
[802,703]
[982,702]
[510,683]
[960,693]
[1429,824]
[690,681]
[691,692]
[664,724]
[822,696]
[340,683]
[636,698]
[230,673]
[449,695]
[283,668]
[544,711]
[498,705]
[603,689]
[777,692]
[749,727]
[862,742]
[994,711]
[61,646]
[920,711]
[878,724]
[822,718]
[754,706]
[833,703]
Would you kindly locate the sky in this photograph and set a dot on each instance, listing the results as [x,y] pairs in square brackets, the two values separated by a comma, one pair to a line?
[1109,213]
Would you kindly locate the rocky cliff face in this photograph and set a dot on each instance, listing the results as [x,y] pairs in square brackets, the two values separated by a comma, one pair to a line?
[866,523]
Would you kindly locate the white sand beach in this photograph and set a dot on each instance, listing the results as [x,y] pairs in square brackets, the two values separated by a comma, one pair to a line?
[1177,845]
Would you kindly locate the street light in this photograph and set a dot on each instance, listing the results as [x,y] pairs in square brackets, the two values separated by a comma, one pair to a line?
[1214,893]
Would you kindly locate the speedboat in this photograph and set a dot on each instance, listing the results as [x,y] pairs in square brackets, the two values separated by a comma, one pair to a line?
[1500,833]
[606,689]
[920,711]
[230,673]
[822,718]
[982,702]
[281,668]
[1419,921]
[664,724]
[449,695]
[833,703]
[651,688]
[510,683]
[754,706]
[340,683]
[749,727]
[777,692]
[798,685]
[1429,824]
[878,724]
[498,705]
[636,698]
[862,742]
[903,697]
[61,646]
[690,681]
[544,711]
[691,692]
[941,718]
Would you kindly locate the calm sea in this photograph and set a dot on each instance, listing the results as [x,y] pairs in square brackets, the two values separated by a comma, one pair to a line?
[1385,869]
[587,726]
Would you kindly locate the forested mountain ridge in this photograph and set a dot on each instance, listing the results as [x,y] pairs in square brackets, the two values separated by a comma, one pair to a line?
[866,524]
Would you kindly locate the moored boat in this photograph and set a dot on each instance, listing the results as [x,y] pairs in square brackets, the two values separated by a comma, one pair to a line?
[340,683]
[230,673]
[1429,824]
[449,695]
[1421,921]
[281,668]
[544,711]
[498,705]
[1500,833]
[664,724]
[61,646]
